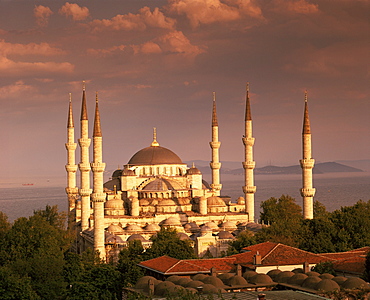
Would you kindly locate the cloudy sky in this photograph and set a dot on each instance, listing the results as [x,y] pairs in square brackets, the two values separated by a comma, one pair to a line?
[156,64]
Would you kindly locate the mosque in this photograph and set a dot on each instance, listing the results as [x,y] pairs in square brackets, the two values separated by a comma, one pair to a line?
[155,188]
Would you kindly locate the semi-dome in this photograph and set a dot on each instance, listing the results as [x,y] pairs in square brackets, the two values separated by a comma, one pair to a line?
[136,237]
[215,201]
[172,221]
[225,235]
[115,229]
[193,171]
[154,155]
[162,184]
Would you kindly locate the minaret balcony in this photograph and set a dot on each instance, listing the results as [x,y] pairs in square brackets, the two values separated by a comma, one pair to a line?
[307,163]
[85,192]
[98,167]
[215,165]
[72,190]
[308,192]
[215,145]
[84,167]
[216,187]
[249,189]
[249,164]
[71,168]
[248,141]
[84,142]
[71,146]
[98,197]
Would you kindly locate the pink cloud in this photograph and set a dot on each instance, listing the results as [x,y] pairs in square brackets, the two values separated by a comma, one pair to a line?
[15,90]
[106,51]
[147,48]
[141,21]
[295,6]
[42,14]
[214,11]
[12,68]
[76,12]
[28,49]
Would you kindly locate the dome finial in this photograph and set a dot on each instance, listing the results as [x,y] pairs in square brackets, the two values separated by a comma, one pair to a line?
[305,96]
[155,143]
[83,85]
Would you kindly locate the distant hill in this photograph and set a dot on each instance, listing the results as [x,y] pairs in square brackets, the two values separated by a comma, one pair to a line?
[320,168]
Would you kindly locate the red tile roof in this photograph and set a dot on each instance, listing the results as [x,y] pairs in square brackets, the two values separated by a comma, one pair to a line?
[167,265]
[276,254]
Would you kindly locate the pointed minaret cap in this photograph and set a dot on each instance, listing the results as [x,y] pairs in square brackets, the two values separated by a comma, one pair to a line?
[214,113]
[248,115]
[83,109]
[306,119]
[70,123]
[155,143]
[97,127]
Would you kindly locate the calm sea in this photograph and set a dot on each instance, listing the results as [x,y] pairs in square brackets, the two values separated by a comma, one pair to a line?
[333,190]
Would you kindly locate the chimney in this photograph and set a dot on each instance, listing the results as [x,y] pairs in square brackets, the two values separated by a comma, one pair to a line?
[151,287]
[306,267]
[213,272]
[261,296]
[257,259]
[238,270]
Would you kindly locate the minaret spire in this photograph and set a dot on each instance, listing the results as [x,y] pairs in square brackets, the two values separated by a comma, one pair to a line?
[71,166]
[307,164]
[84,164]
[215,145]
[155,143]
[249,164]
[98,196]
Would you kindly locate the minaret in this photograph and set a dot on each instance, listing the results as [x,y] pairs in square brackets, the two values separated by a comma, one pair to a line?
[249,164]
[84,165]
[215,145]
[71,167]
[307,164]
[98,195]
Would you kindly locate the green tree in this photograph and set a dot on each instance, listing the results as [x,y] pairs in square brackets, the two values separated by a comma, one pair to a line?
[325,267]
[128,263]
[284,217]
[244,239]
[167,242]
[319,210]
[52,216]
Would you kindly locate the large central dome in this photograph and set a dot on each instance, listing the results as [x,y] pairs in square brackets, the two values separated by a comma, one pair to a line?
[155,155]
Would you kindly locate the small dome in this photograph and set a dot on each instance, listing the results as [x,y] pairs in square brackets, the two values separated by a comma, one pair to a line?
[133,228]
[143,282]
[184,281]
[162,287]
[174,290]
[297,279]
[183,236]
[199,277]
[225,277]
[166,202]
[144,202]
[217,282]
[136,237]
[154,155]
[327,285]
[113,239]
[354,283]
[152,227]
[174,278]
[171,221]
[284,276]
[249,274]
[192,227]
[339,279]
[193,171]
[312,273]
[117,173]
[194,284]
[310,282]
[237,280]
[114,203]
[240,200]
[205,229]
[212,225]
[228,225]
[115,229]
[260,278]
[215,201]
[128,172]
[273,273]
[225,235]
[326,276]
[211,289]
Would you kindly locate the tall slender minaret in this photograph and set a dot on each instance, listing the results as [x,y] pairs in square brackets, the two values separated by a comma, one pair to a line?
[98,195]
[71,167]
[215,145]
[84,165]
[307,164]
[248,164]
